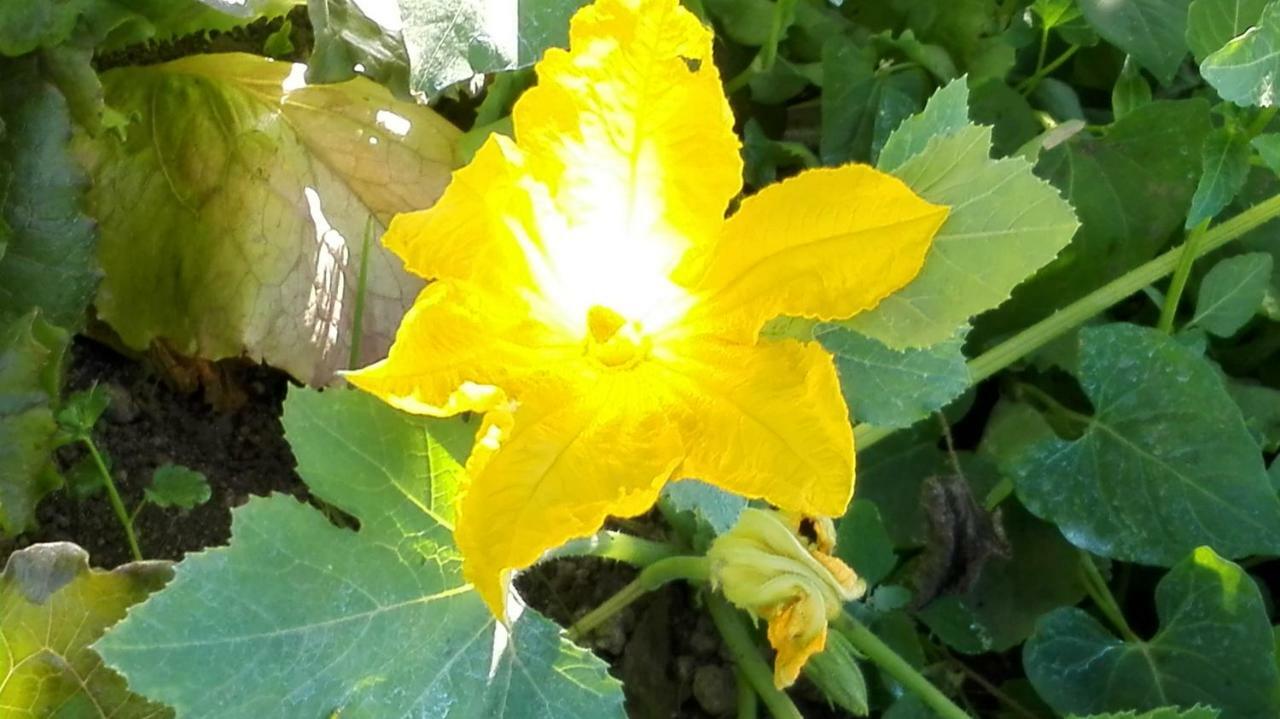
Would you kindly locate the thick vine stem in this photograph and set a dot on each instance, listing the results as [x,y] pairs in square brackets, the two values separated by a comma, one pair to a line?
[746,655]
[877,651]
[691,568]
[1074,314]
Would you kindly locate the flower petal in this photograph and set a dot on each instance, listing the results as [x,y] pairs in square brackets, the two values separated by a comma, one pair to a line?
[577,451]
[475,230]
[630,128]
[792,634]
[456,346]
[764,421]
[825,244]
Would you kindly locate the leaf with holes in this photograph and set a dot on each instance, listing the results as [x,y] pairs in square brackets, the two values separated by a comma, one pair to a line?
[374,622]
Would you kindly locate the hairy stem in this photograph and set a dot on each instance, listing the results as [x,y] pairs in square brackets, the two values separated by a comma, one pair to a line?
[1075,314]
[746,655]
[877,651]
[655,575]
[117,504]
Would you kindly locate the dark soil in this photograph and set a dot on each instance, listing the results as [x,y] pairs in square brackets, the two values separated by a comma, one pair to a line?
[242,452]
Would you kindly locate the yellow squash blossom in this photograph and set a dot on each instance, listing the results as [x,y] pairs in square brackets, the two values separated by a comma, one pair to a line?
[765,566]
[590,297]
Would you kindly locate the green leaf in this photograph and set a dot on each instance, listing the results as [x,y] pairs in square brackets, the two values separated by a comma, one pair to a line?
[1225,163]
[1214,647]
[863,542]
[1261,409]
[1165,464]
[49,261]
[82,410]
[1213,23]
[121,23]
[1053,13]
[992,240]
[298,617]
[892,388]
[451,40]
[746,22]
[270,184]
[1152,31]
[1231,293]
[346,37]
[1196,712]
[946,113]
[177,486]
[1268,147]
[714,506]
[32,24]
[1244,70]
[31,352]
[890,474]
[1131,90]
[860,107]
[52,607]
[1131,187]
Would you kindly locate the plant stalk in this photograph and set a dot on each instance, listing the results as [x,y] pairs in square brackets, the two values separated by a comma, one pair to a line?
[877,651]
[1186,258]
[696,569]
[747,702]
[1101,595]
[1075,314]
[742,647]
[117,504]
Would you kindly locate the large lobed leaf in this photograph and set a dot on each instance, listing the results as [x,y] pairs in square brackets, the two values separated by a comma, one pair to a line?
[234,211]
[1214,647]
[994,238]
[298,617]
[52,607]
[1165,464]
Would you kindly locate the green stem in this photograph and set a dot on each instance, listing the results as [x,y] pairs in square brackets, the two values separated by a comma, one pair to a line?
[748,705]
[362,283]
[1075,314]
[769,53]
[742,79]
[114,496]
[620,546]
[1260,122]
[1187,255]
[1101,595]
[877,651]
[1027,86]
[697,569]
[746,655]
[1044,51]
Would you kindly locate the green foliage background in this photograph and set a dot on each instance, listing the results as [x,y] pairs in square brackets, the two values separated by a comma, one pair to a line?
[1113,432]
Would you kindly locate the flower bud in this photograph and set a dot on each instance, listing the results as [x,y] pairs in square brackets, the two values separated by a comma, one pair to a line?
[768,567]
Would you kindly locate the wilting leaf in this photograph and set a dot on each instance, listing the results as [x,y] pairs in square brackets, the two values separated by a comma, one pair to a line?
[52,607]
[271,188]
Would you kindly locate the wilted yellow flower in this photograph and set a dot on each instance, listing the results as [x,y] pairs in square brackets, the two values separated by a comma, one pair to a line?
[767,567]
[590,296]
